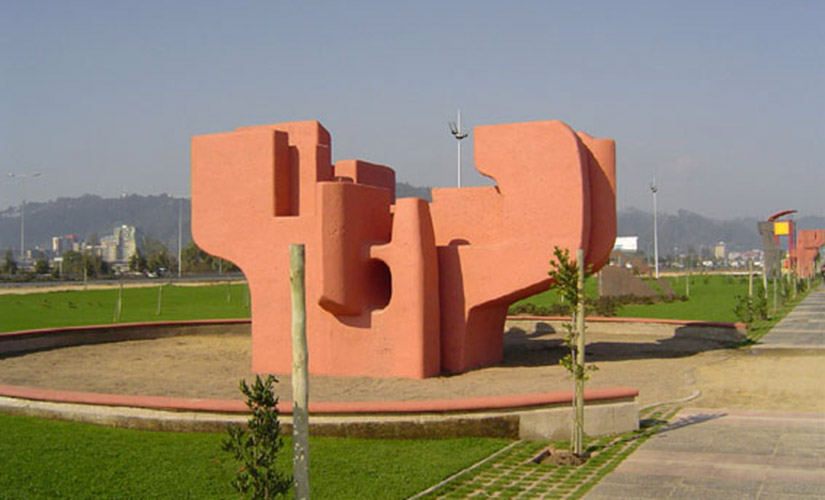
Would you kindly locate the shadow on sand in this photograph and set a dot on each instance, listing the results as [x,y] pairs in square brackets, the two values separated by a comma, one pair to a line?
[545,346]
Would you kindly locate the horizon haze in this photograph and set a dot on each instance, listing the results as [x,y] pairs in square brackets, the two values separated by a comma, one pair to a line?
[720,102]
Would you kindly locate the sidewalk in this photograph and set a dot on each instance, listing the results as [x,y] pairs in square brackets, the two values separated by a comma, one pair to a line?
[804,327]
[725,454]
[711,454]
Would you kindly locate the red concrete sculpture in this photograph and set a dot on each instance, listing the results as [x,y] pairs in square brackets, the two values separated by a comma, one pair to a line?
[808,243]
[397,288]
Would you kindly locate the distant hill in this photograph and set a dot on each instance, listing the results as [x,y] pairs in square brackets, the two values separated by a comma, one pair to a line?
[154,216]
[404,190]
[157,217]
[684,230]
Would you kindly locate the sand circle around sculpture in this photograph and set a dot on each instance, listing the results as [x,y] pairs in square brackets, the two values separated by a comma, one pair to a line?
[210,365]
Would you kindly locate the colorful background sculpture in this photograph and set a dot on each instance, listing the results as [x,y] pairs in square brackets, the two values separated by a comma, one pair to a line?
[397,288]
[808,243]
[803,246]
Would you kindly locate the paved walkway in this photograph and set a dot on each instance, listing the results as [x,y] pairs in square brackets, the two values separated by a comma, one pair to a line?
[804,327]
[736,454]
[726,455]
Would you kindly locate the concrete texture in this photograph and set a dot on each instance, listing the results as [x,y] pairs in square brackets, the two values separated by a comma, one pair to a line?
[726,454]
[528,416]
[720,454]
[802,328]
[610,417]
[397,288]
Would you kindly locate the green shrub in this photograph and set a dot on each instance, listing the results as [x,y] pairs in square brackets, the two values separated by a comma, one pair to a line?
[257,450]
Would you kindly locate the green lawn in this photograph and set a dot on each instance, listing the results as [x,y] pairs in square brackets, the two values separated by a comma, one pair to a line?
[51,459]
[712,298]
[97,307]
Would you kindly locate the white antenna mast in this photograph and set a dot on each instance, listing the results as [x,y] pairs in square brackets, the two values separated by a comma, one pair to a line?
[459,134]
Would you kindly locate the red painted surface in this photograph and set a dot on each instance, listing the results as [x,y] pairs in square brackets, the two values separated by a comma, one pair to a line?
[809,241]
[397,288]
[782,213]
[321,407]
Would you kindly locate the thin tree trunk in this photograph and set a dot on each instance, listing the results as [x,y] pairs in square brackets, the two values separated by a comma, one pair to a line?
[775,295]
[578,443]
[160,300]
[300,375]
[119,303]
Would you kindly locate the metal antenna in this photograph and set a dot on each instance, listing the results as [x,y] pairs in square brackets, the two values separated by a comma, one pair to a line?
[22,178]
[455,129]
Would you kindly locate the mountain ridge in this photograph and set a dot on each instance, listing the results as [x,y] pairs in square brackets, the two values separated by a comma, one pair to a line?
[156,216]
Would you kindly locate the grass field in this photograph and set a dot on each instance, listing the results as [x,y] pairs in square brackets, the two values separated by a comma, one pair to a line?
[97,307]
[50,459]
[712,298]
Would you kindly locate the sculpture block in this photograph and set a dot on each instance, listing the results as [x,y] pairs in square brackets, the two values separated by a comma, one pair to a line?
[397,288]
[809,241]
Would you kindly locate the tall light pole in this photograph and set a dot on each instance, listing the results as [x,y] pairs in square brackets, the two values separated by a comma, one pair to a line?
[654,189]
[180,237]
[23,178]
[459,134]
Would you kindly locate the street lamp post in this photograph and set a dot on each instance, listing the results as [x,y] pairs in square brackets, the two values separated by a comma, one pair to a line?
[23,178]
[180,237]
[654,189]
[455,129]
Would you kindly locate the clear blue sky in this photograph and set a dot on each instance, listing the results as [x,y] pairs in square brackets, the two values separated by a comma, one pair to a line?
[722,101]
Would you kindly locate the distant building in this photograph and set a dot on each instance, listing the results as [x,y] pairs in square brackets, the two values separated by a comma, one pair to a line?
[65,243]
[719,251]
[120,246]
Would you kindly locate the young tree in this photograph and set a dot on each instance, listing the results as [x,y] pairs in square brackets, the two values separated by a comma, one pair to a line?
[257,449]
[9,264]
[137,262]
[568,279]
[41,266]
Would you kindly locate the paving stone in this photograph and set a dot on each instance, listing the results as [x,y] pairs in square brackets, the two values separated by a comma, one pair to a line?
[630,491]
[716,483]
[695,493]
[794,488]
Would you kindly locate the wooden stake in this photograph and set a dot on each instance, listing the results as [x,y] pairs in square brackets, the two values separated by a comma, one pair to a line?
[119,304]
[300,374]
[578,436]
[160,300]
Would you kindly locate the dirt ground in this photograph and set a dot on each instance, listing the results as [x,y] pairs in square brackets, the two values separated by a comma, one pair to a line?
[663,369]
